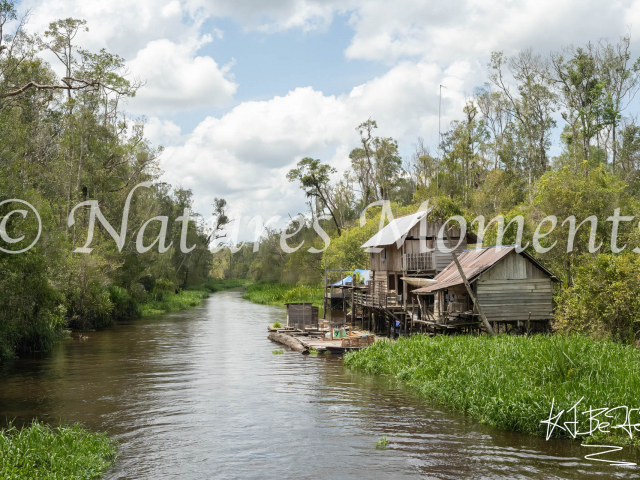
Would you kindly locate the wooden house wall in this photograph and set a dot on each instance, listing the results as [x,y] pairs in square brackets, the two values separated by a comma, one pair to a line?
[392,263]
[302,315]
[513,288]
[442,259]
[380,282]
[514,266]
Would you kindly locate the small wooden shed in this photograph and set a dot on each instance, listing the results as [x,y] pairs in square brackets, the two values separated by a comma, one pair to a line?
[302,315]
[509,285]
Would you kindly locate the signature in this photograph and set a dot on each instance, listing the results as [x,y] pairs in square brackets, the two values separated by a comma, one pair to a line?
[603,420]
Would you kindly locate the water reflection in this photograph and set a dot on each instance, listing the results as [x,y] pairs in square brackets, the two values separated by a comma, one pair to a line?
[199,394]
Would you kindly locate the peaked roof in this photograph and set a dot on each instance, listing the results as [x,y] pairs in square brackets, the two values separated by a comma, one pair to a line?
[475,262]
[396,231]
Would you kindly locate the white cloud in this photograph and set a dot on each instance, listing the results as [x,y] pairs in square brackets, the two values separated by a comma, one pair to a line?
[445,31]
[278,15]
[244,155]
[177,79]
[172,9]
[159,39]
[163,132]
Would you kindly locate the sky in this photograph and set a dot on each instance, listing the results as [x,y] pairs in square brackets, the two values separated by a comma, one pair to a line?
[238,91]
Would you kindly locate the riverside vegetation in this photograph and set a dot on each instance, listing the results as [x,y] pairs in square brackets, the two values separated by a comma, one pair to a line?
[511,382]
[48,453]
[68,141]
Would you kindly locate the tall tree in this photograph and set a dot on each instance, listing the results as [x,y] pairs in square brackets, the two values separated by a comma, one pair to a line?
[314,179]
[531,103]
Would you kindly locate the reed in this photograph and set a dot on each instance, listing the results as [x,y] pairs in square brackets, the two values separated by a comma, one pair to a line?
[510,382]
[280,293]
[40,451]
[164,301]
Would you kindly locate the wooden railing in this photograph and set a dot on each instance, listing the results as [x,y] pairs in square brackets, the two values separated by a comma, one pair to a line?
[378,299]
[417,262]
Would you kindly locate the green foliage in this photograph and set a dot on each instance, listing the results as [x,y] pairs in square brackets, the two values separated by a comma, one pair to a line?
[510,382]
[603,300]
[40,451]
[61,148]
[280,293]
[124,306]
[278,352]
[217,285]
[164,301]
[382,443]
[277,324]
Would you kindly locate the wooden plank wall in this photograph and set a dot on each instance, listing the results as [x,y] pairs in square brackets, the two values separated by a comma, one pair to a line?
[514,299]
[381,282]
[514,266]
[442,260]
[513,288]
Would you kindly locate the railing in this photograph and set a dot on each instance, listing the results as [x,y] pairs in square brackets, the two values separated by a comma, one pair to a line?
[417,262]
[378,299]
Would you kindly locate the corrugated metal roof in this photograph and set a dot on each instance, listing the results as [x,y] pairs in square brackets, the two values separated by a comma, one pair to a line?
[396,231]
[473,263]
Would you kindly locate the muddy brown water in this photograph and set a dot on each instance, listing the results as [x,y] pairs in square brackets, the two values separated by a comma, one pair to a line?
[199,394]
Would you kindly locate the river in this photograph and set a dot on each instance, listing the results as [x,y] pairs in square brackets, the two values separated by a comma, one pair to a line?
[199,394]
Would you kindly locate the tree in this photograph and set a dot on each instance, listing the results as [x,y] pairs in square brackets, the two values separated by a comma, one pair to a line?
[621,81]
[495,110]
[313,176]
[531,104]
[587,108]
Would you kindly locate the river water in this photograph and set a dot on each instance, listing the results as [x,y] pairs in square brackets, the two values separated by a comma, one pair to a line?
[199,394]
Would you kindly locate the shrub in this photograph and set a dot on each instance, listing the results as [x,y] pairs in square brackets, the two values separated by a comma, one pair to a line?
[603,299]
[124,306]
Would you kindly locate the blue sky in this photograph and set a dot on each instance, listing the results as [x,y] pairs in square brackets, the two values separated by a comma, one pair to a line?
[272,64]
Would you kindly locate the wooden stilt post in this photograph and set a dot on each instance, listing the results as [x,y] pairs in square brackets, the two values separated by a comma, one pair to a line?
[324,300]
[486,323]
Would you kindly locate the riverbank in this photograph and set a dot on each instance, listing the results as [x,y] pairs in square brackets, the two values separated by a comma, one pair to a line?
[40,451]
[511,382]
[164,301]
[281,293]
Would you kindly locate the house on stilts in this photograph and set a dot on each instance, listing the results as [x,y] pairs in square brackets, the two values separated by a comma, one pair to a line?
[413,284]
[514,290]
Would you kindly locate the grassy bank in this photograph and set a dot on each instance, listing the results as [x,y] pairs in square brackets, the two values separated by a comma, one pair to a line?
[510,382]
[163,301]
[39,451]
[280,293]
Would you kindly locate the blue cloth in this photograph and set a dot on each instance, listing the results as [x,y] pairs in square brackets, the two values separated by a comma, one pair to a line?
[365,274]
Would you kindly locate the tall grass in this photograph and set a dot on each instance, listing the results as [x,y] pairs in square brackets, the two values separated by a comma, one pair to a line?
[279,293]
[510,382]
[39,451]
[164,301]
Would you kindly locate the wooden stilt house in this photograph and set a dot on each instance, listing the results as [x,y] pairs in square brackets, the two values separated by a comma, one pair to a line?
[406,251]
[511,287]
